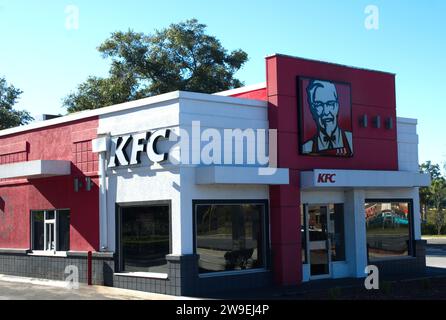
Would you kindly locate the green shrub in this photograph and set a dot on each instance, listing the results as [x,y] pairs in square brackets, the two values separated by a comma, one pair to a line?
[430,229]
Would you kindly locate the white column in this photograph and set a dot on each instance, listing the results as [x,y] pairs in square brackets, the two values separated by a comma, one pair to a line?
[100,146]
[103,202]
[355,232]
[416,213]
[185,236]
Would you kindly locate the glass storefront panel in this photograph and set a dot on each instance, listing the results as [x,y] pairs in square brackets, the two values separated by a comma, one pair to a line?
[388,226]
[318,240]
[230,236]
[145,238]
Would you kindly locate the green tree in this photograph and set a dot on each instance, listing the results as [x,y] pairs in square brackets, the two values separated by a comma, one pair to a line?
[438,195]
[180,57]
[9,117]
[425,192]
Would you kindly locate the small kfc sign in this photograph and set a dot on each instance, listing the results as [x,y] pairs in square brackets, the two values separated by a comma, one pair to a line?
[326,178]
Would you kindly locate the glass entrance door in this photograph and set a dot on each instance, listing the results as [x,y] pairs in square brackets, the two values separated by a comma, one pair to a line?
[318,241]
[324,239]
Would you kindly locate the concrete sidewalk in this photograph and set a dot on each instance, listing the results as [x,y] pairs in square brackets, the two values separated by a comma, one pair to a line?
[19,288]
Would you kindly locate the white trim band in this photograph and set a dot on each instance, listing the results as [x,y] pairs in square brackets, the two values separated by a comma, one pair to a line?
[241,175]
[35,169]
[326,178]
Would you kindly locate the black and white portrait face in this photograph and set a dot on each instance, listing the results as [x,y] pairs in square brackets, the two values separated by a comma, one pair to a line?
[324,104]
[325,118]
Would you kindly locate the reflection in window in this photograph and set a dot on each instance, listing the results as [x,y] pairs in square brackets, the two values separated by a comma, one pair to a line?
[388,229]
[336,232]
[145,238]
[230,236]
[38,218]
[63,227]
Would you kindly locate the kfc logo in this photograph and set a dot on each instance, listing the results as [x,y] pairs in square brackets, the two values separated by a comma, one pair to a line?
[144,143]
[326,178]
[325,127]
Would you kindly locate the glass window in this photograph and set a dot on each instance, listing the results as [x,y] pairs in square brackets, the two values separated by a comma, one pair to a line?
[50,230]
[230,236]
[318,239]
[326,236]
[63,230]
[145,238]
[38,230]
[49,215]
[388,229]
[336,232]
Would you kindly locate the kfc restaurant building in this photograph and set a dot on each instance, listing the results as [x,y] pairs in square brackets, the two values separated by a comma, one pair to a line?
[169,196]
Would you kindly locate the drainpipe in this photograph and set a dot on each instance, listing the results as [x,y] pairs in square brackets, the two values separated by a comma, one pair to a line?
[100,146]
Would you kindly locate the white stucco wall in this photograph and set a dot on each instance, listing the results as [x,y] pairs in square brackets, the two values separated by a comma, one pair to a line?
[219,114]
[407,139]
[153,182]
[145,182]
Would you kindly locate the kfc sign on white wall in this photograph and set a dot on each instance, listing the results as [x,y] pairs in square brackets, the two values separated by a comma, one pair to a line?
[326,178]
[140,144]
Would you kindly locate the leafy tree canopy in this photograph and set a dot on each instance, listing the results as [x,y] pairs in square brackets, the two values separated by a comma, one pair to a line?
[432,169]
[180,57]
[9,117]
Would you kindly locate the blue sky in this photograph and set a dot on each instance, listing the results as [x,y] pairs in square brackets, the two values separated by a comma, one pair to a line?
[44,59]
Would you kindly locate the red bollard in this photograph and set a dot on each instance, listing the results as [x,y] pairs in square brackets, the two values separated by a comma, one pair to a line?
[89,268]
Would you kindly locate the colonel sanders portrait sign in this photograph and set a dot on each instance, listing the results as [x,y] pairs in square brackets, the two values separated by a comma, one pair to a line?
[325,118]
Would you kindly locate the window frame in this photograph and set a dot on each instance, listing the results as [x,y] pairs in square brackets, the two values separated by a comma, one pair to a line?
[304,241]
[411,243]
[119,262]
[265,233]
[55,227]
